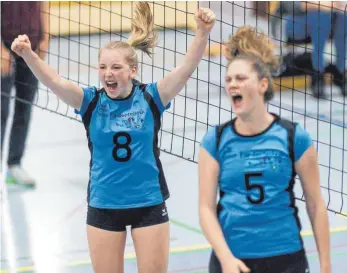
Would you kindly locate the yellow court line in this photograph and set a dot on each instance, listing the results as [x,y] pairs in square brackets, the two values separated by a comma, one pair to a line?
[343,215]
[130,256]
[332,230]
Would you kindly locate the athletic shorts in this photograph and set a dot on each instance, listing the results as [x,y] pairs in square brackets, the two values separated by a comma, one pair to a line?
[289,263]
[119,219]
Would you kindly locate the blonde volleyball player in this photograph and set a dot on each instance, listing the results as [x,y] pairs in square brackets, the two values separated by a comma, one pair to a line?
[127,186]
[252,161]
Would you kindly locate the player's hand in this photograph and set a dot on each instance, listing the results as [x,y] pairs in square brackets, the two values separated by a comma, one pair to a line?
[205,19]
[234,265]
[21,45]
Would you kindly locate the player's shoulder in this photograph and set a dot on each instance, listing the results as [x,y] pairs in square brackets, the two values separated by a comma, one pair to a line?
[294,128]
[90,89]
[220,128]
[285,123]
[142,86]
[139,84]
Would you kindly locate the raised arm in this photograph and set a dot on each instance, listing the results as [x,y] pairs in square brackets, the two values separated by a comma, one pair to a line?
[64,89]
[173,83]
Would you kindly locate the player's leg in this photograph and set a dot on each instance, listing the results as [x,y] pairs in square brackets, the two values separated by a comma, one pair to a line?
[106,241]
[152,239]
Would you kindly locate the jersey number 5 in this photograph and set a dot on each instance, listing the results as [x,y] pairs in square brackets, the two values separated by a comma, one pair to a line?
[124,146]
[258,187]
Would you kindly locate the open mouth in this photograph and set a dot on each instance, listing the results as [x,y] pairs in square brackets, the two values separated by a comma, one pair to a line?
[236,98]
[111,85]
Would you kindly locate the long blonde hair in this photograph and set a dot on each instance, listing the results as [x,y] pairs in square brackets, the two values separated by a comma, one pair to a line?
[142,37]
[248,45]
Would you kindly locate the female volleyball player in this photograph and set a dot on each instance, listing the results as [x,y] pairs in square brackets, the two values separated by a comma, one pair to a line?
[253,160]
[127,185]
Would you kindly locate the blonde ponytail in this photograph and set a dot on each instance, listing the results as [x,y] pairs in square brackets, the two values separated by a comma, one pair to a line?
[143,36]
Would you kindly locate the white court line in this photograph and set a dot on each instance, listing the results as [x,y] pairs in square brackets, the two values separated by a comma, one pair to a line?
[7,227]
[307,113]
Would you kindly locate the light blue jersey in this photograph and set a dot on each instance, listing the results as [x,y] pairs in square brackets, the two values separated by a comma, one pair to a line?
[125,170]
[256,209]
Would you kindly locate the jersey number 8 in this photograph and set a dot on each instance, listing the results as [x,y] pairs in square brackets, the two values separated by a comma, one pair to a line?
[253,186]
[124,146]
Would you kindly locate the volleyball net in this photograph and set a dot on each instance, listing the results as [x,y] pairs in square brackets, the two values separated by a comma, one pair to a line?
[79,29]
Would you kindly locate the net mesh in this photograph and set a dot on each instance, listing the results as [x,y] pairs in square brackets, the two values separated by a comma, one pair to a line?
[79,29]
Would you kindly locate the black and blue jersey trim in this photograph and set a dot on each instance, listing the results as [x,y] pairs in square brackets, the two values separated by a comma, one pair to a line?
[157,124]
[219,132]
[290,127]
[86,118]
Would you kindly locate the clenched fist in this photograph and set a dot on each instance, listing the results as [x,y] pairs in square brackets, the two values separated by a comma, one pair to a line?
[205,19]
[21,45]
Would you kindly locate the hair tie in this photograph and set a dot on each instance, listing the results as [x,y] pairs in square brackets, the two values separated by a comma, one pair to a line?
[236,52]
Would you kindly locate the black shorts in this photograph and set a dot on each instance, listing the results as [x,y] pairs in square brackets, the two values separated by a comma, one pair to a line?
[290,263]
[119,219]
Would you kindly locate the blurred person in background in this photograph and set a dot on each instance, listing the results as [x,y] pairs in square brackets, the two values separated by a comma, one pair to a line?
[314,22]
[328,18]
[16,18]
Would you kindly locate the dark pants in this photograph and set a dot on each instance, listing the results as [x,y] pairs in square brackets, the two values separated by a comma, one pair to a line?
[322,27]
[319,25]
[290,263]
[26,86]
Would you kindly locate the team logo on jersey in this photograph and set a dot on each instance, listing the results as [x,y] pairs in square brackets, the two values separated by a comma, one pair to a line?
[104,110]
[264,158]
[133,119]
[256,158]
